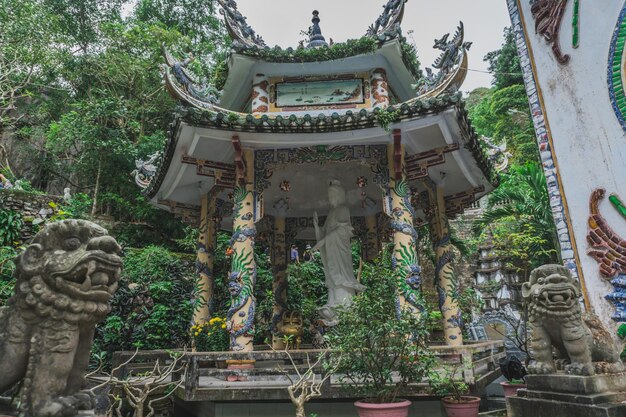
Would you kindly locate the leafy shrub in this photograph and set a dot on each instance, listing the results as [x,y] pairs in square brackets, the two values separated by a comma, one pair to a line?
[152,307]
[79,206]
[380,352]
[7,282]
[10,227]
[211,336]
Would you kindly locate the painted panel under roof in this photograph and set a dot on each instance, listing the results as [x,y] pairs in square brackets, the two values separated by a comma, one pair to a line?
[238,85]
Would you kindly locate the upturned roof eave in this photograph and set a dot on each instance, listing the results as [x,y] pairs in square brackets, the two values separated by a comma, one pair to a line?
[362,120]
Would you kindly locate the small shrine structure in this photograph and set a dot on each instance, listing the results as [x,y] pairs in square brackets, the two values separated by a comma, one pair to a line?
[259,155]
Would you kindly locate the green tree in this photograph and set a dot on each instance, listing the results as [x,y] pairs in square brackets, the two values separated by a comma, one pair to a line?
[29,49]
[80,21]
[519,216]
[504,116]
[504,63]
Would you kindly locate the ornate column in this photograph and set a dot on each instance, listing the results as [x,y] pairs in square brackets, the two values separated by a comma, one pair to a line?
[380,89]
[242,275]
[260,94]
[207,241]
[279,269]
[446,279]
[398,206]
[372,247]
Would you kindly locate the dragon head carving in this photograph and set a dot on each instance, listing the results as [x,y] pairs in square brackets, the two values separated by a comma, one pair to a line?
[70,270]
[552,291]
[235,283]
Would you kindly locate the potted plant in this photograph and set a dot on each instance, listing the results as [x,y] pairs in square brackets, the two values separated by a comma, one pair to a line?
[515,372]
[378,349]
[510,387]
[453,390]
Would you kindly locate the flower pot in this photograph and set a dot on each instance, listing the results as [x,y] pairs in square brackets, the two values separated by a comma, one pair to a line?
[510,390]
[467,407]
[399,409]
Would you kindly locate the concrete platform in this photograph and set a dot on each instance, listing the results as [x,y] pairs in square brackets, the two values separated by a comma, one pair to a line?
[564,395]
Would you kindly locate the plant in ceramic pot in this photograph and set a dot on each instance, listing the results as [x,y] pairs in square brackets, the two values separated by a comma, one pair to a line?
[381,349]
[447,383]
[515,372]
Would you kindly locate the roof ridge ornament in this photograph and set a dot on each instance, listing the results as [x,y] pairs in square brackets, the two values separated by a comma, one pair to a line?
[238,29]
[452,66]
[389,21]
[316,39]
[182,85]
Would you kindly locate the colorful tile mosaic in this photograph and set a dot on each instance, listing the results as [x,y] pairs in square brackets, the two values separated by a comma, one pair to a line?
[541,130]
[615,71]
[609,250]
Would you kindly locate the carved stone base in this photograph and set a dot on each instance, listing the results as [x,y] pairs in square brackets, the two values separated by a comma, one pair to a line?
[570,396]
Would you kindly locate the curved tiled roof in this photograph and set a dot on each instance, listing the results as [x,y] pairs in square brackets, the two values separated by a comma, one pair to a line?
[322,123]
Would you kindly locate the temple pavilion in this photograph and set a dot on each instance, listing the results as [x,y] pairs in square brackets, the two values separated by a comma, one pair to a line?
[258,155]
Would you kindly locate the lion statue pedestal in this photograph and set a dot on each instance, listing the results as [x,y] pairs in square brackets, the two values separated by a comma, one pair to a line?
[576,369]
[65,280]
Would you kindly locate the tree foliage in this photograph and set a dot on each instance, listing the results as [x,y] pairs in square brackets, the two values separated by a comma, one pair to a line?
[380,353]
[519,218]
[504,63]
[83,89]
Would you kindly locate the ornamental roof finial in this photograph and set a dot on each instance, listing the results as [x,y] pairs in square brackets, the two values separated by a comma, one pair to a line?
[316,39]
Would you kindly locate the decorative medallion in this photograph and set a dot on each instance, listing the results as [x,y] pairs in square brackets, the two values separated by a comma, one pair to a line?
[616,67]
[285,186]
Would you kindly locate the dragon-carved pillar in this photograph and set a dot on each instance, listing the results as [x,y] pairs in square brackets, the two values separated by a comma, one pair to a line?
[207,241]
[372,244]
[446,279]
[242,275]
[279,285]
[404,258]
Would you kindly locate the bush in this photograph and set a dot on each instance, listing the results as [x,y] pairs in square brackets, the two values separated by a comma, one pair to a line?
[10,227]
[152,307]
[212,336]
[7,282]
[380,352]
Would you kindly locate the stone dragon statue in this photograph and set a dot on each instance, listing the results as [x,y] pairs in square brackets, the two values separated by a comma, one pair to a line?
[65,280]
[556,320]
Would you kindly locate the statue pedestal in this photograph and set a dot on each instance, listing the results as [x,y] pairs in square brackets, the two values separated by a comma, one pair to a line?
[564,395]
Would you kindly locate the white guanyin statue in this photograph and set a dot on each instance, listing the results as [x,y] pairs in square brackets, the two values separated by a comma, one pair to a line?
[333,242]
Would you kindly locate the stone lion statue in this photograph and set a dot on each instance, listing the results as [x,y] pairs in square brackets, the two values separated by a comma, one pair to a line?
[65,279]
[556,320]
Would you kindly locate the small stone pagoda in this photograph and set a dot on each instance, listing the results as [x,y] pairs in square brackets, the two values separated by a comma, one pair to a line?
[497,284]
[258,156]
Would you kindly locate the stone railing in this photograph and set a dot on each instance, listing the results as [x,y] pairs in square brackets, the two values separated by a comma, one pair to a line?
[207,376]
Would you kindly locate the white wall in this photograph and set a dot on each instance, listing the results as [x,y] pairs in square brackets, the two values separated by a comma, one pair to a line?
[588,141]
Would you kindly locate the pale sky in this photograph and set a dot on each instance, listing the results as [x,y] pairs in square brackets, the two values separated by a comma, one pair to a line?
[279,22]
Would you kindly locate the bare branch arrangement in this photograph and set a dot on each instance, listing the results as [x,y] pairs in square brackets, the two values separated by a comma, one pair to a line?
[306,384]
[159,382]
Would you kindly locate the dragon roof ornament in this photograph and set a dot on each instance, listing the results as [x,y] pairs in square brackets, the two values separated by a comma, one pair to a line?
[238,28]
[182,85]
[389,20]
[452,66]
